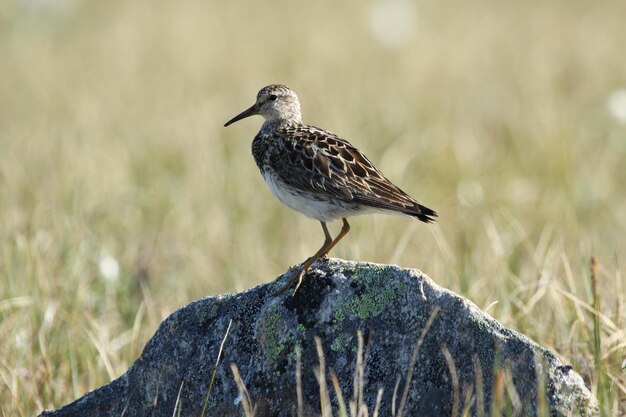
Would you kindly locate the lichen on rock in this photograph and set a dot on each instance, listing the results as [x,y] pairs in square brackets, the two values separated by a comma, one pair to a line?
[496,368]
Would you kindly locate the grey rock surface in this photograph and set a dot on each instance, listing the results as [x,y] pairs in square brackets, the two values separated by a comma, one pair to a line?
[467,359]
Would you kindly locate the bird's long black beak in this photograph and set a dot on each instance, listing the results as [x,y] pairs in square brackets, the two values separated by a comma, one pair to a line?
[246,113]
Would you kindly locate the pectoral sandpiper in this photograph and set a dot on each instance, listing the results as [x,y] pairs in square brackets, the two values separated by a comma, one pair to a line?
[317,173]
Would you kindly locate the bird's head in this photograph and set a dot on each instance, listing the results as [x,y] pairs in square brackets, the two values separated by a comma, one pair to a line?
[276,103]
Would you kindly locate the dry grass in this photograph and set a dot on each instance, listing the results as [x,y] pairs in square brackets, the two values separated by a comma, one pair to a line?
[111,144]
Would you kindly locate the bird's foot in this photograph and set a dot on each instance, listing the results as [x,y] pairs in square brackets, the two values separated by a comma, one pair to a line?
[299,271]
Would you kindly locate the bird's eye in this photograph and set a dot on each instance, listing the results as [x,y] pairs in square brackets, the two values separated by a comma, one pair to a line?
[273,97]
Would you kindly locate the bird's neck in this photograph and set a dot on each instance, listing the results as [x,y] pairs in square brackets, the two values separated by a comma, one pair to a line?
[276,124]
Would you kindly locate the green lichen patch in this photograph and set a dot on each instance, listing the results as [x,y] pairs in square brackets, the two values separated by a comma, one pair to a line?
[297,349]
[275,344]
[373,296]
[272,328]
[341,342]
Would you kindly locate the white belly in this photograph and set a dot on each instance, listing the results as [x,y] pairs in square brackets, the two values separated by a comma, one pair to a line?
[311,206]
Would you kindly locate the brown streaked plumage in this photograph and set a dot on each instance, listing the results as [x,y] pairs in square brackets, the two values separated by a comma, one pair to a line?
[317,173]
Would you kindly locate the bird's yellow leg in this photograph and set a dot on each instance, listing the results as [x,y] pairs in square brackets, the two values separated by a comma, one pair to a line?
[299,273]
[329,243]
[324,250]
[344,231]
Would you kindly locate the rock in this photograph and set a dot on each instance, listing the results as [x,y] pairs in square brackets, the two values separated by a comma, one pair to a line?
[466,360]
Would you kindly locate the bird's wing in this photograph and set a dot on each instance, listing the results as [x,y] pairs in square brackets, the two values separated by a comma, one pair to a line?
[319,162]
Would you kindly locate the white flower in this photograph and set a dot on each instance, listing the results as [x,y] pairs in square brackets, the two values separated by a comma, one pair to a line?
[616,104]
[109,268]
[393,22]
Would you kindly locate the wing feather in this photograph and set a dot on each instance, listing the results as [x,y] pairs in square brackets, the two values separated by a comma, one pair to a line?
[335,168]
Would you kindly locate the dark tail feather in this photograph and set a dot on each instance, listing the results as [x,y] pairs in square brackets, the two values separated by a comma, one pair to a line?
[422,213]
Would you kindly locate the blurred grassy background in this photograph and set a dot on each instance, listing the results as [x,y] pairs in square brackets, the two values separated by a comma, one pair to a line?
[122,197]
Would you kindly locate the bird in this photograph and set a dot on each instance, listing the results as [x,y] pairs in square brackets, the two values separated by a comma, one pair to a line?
[317,173]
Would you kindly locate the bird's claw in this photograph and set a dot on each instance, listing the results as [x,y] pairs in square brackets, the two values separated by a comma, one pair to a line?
[296,278]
